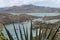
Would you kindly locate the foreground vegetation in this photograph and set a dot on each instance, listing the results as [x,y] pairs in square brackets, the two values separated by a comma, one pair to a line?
[48,33]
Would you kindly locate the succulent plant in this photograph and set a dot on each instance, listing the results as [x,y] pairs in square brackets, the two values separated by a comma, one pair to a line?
[44,35]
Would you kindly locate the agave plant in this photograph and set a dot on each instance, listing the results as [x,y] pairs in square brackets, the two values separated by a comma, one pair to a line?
[2,37]
[39,35]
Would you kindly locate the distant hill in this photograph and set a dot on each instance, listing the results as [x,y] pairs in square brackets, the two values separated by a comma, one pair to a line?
[30,9]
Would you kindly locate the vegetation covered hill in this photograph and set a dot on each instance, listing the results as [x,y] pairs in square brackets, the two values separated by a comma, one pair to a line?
[9,18]
[51,17]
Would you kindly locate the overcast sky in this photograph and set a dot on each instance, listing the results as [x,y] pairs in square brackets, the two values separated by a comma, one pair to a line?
[49,3]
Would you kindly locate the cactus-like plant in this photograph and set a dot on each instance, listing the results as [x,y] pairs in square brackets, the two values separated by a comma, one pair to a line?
[40,36]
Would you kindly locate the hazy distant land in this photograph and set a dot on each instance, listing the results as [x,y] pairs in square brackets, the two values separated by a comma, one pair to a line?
[30,9]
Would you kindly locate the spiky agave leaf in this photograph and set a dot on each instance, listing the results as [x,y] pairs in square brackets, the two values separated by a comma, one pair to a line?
[24,31]
[20,33]
[36,34]
[31,31]
[54,34]
[2,37]
[9,34]
[15,32]
[39,33]
[49,32]
[46,31]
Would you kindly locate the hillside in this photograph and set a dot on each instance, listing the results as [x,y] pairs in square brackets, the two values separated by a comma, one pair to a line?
[51,17]
[7,18]
[30,9]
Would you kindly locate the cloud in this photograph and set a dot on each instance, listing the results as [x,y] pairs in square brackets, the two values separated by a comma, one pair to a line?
[4,3]
[16,2]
